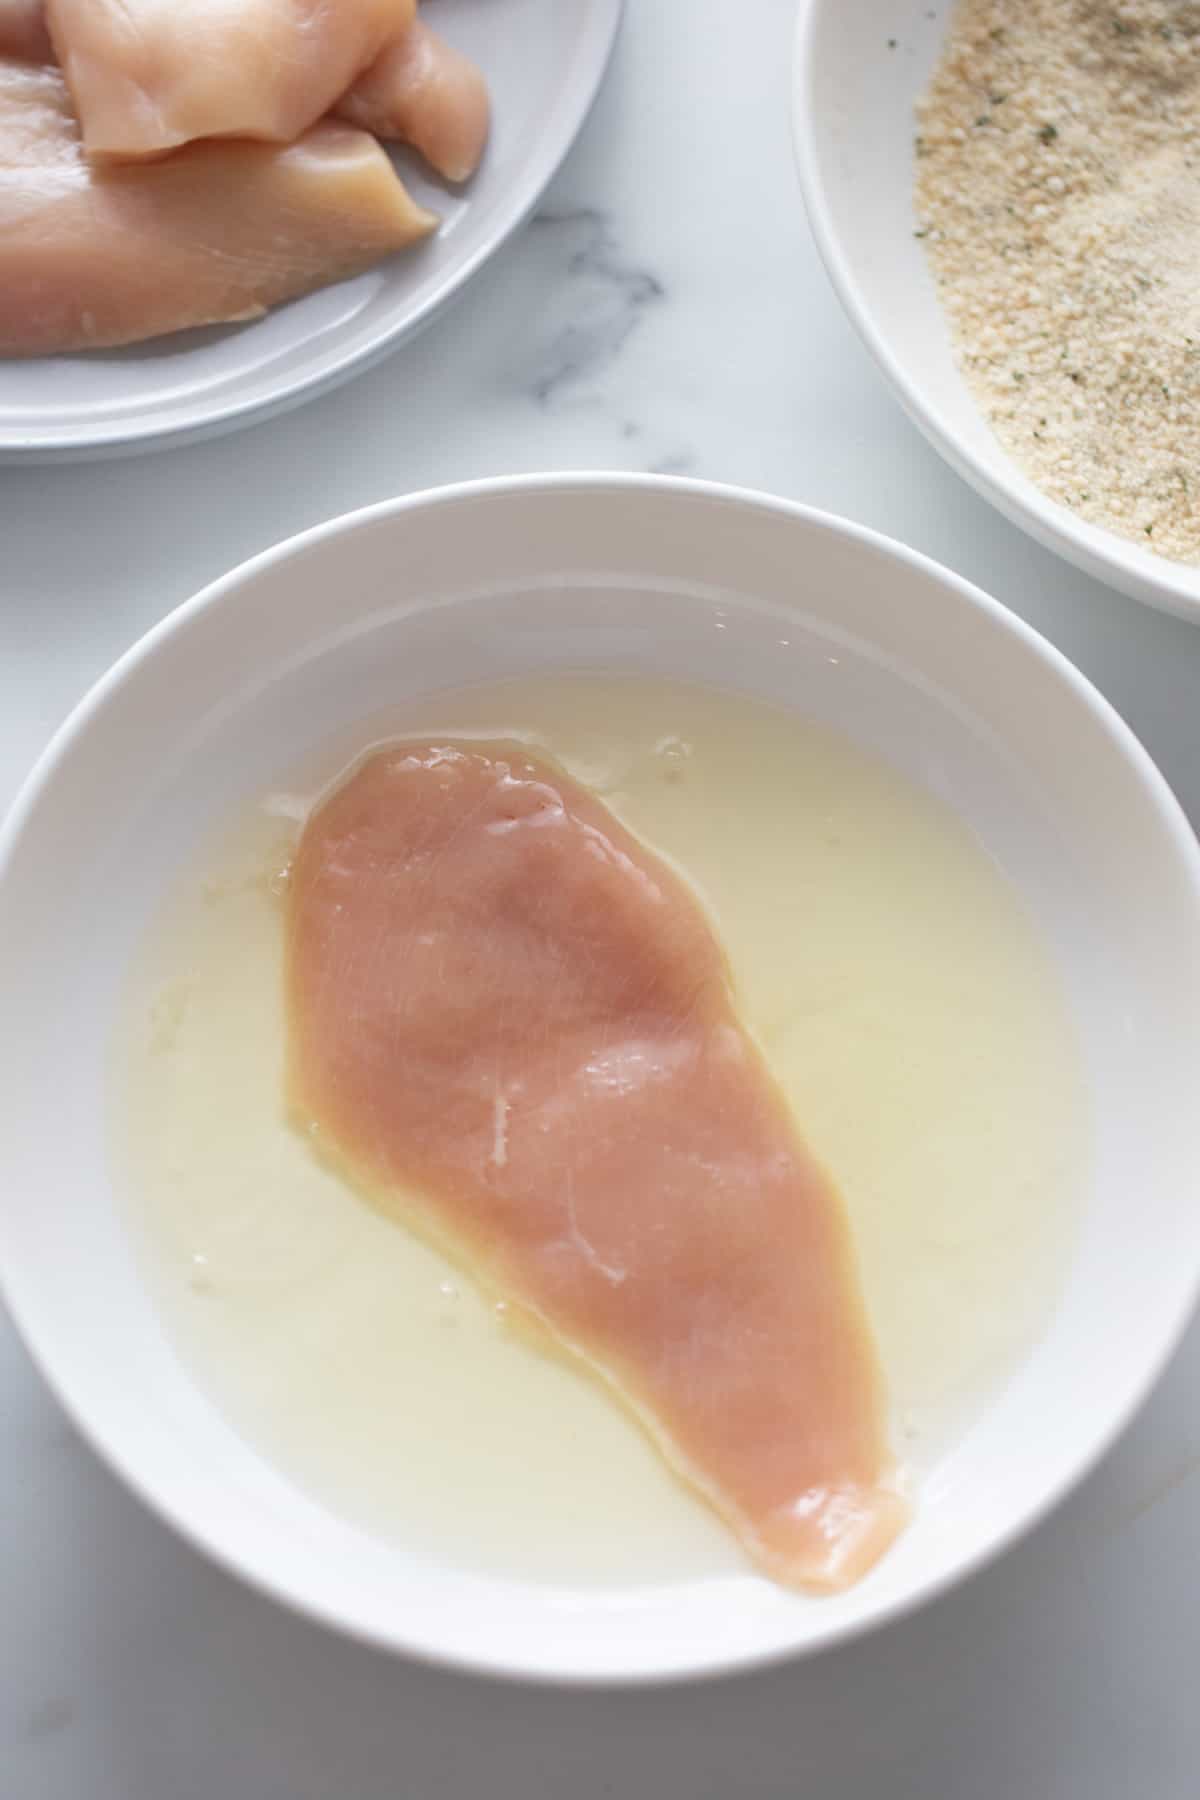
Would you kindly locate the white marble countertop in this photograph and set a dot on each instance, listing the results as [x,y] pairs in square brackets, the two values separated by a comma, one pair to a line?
[665,311]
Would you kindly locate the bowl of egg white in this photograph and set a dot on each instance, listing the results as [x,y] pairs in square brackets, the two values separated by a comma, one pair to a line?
[599,1076]
[1004,196]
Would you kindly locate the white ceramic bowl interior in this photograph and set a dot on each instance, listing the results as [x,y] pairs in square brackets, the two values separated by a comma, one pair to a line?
[217,704]
[854,97]
[544,62]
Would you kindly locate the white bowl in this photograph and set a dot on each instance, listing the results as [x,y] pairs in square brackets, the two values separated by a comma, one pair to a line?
[226,694]
[853,115]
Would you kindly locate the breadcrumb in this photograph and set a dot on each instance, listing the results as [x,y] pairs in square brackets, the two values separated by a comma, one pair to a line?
[1058,198]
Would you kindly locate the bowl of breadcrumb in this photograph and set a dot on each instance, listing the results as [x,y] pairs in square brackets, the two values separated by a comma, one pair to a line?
[1005,196]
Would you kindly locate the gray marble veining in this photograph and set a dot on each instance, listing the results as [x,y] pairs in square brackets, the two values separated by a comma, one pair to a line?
[594,300]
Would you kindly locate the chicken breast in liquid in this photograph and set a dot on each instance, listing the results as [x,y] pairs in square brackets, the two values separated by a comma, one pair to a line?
[512,1026]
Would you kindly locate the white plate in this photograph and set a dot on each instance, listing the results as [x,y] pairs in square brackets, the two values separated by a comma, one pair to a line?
[221,700]
[854,125]
[544,61]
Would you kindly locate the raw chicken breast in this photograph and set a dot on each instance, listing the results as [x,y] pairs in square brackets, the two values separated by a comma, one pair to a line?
[23,32]
[424,92]
[147,75]
[500,1002]
[216,232]
[419,89]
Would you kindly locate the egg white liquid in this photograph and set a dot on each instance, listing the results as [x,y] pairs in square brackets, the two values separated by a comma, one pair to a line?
[904,1002]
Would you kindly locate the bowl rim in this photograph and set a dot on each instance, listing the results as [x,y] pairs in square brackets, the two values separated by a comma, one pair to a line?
[1172,587]
[708,1663]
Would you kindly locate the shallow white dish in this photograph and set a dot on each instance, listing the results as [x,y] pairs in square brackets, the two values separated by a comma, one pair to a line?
[544,62]
[221,700]
[860,67]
